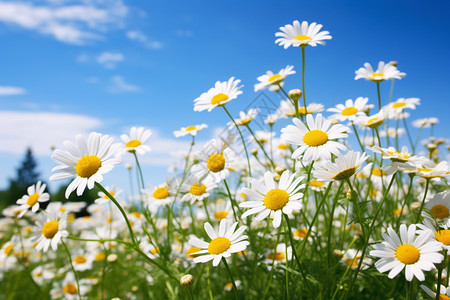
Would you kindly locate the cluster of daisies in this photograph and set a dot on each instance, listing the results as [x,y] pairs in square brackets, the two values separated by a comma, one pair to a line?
[239,184]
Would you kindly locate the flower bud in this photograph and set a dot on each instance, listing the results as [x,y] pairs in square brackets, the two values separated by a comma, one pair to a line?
[186,280]
[295,94]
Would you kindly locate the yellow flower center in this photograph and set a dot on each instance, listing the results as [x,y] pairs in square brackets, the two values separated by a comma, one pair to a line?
[302,111]
[99,256]
[217,99]
[276,78]
[407,254]
[70,288]
[397,212]
[220,215]
[38,274]
[444,297]
[197,190]
[88,166]
[33,199]
[219,245]
[245,121]
[347,173]
[399,104]
[440,211]
[372,120]
[80,259]
[349,111]
[8,249]
[315,138]
[191,252]
[133,144]
[109,220]
[216,163]
[276,199]
[353,263]
[316,183]
[378,74]
[161,193]
[378,172]
[302,38]
[283,146]
[443,236]
[301,233]
[276,256]
[136,214]
[106,196]
[191,128]
[425,169]
[50,229]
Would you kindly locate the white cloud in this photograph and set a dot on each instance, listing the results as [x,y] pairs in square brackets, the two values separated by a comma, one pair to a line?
[140,37]
[11,90]
[120,85]
[109,59]
[72,24]
[41,130]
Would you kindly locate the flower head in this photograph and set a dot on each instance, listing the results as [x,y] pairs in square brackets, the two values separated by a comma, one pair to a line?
[270,78]
[220,94]
[344,167]
[301,35]
[51,228]
[350,110]
[135,141]
[384,72]
[191,130]
[35,194]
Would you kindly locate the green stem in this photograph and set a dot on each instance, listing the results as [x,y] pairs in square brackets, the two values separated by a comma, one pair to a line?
[73,269]
[391,91]
[357,137]
[303,80]
[139,169]
[100,240]
[408,134]
[243,141]
[379,96]
[231,278]
[423,200]
[233,202]
[261,146]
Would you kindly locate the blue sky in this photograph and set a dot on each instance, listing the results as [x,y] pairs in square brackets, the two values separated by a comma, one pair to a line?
[73,67]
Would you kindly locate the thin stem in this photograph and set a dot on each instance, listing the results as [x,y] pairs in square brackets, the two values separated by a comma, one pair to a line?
[423,200]
[303,80]
[133,238]
[391,90]
[408,134]
[260,145]
[139,169]
[379,96]
[73,269]
[242,138]
[233,202]
[100,240]
[231,278]
[357,137]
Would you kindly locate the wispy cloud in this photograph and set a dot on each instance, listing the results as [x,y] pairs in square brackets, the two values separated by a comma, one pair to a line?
[11,90]
[41,130]
[72,24]
[109,59]
[120,85]
[140,37]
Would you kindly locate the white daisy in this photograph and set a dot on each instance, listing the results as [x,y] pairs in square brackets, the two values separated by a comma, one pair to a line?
[161,195]
[192,130]
[279,256]
[287,109]
[372,121]
[317,141]
[223,243]
[103,198]
[35,194]
[244,118]
[444,292]
[51,228]
[272,199]
[220,94]
[87,161]
[344,167]
[135,141]
[414,253]
[297,35]
[425,122]
[351,110]
[384,72]
[270,78]
[394,109]
[195,189]
[428,169]
[439,206]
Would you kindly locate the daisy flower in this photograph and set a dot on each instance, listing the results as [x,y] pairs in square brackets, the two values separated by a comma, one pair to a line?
[402,156]
[8,248]
[428,169]
[444,292]
[244,118]
[223,243]
[287,109]
[270,78]
[103,198]
[384,72]
[414,253]
[195,189]
[425,123]
[35,194]
[192,130]
[394,109]
[51,228]
[220,94]
[134,142]
[439,206]
[271,119]
[221,209]
[317,141]
[344,167]
[87,161]
[161,195]
[297,35]
[350,110]
[41,274]
[272,199]
[372,121]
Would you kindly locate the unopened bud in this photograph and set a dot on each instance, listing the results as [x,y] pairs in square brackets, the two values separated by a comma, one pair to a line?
[295,94]
[186,280]
[254,151]
[393,63]
[338,254]
[112,258]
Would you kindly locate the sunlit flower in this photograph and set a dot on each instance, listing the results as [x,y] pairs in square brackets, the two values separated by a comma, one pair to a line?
[297,35]
[394,109]
[35,194]
[425,122]
[195,189]
[87,161]
[271,119]
[317,141]
[219,95]
[68,289]
[103,198]
[428,169]
[8,248]
[192,130]
[287,109]
[279,256]
[270,78]
[414,253]
[41,274]
[439,206]
[272,199]
[352,257]
[223,243]
[161,195]
[444,292]
[135,142]
[384,72]
[344,167]
[372,121]
[51,228]
[244,118]
[350,110]
[396,156]
[221,209]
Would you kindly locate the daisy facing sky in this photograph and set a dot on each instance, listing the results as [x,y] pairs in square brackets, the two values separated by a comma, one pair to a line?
[135,141]
[301,35]
[35,194]
[270,78]
[220,94]
[383,72]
